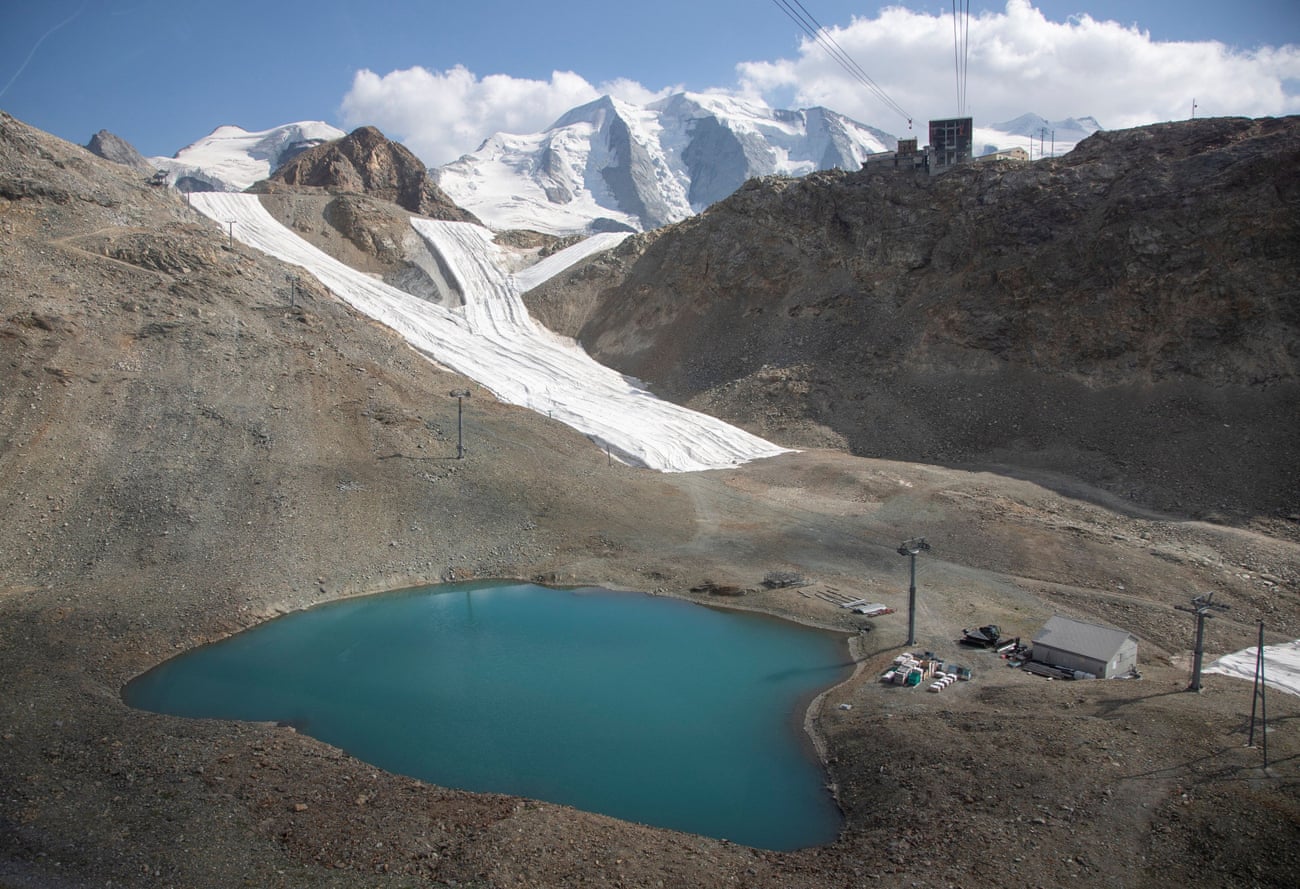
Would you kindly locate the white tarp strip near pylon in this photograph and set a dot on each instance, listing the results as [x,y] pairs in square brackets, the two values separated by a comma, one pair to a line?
[1281,666]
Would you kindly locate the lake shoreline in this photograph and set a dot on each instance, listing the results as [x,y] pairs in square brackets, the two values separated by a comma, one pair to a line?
[312,645]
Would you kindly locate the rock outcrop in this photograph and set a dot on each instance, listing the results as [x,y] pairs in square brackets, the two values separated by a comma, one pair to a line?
[116,149]
[367,162]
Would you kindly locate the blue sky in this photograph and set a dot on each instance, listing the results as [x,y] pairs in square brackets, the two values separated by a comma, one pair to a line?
[441,76]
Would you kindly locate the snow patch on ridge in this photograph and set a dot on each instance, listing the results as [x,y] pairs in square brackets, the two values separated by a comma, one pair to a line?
[231,158]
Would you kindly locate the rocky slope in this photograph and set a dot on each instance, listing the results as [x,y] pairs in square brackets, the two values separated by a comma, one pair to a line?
[183,454]
[354,197]
[1126,315]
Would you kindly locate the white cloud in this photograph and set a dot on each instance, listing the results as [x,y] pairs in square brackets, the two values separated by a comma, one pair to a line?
[1020,62]
[441,115]
[634,93]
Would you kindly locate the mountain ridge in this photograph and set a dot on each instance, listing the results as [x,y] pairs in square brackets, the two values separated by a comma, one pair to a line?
[610,165]
[609,162]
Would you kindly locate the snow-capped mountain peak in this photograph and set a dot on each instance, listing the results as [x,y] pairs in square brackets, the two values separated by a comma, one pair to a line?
[596,112]
[611,164]
[231,158]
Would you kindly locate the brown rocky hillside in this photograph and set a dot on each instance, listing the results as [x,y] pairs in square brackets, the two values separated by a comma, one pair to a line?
[366,162]
[1127,314]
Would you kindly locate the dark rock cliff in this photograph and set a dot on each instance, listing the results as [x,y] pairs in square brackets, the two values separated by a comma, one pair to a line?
[630,176]
[116,149]
[1126,315]
[716,160]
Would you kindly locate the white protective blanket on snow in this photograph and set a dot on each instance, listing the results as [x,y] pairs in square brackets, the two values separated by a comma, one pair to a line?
[1281,666]
[493,341]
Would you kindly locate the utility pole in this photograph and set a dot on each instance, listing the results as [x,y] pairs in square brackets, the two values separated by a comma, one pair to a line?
[231,223]
[1258,699]
[910,548]
[460,395]
[1201,607]
[293,290]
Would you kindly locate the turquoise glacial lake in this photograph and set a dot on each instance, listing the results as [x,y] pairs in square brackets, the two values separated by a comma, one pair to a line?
[649,709]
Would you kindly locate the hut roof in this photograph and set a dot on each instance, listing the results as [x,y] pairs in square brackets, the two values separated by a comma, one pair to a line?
[1076,636]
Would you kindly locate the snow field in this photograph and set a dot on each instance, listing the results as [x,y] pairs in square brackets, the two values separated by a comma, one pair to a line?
[235,158]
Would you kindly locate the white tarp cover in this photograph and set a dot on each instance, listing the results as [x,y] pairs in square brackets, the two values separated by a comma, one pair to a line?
[1281,666]
[492,340]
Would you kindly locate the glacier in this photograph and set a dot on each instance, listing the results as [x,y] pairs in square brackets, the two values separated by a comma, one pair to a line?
[231,158]
[612,164]
[492,340]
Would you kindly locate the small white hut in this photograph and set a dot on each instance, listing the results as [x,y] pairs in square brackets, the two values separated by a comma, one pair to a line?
[1089,648]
